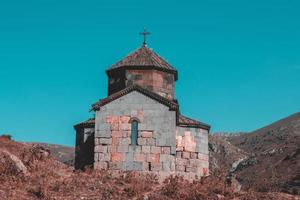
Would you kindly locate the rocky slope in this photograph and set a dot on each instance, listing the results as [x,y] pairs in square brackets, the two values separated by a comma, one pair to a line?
[273,156]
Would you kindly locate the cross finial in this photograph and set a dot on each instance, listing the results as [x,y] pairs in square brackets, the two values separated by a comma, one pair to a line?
[145,33]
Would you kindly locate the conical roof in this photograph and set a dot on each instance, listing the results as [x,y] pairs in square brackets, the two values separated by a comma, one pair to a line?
[143,58]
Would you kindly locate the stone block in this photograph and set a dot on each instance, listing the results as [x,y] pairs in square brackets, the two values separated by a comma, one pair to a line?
[105,140]
[180,168]
[202,156]
[122,148]
[117,157]
[155,150]
[189,143]
[117,134]
[146,149]
[115,165]
[104,157]
[137,166]
[115,141]
[166,150]
[172,166]
[142,141]
[146,166]
[124,141]
[150,141]
[167,158]
[103,133]
[139,157]
[101,149]
[101,165]
[153,158]
[114,127]
[146,134]
[194,155]
[124,119]
[97,141]
[181,161]
[190,168]
[179,141]
[186,154]
[156,166]
[173,150]
[179,148]
[112,149]
[125,127]
[166,166]
[126,133]
[135,148]
[96,157]
[178,154]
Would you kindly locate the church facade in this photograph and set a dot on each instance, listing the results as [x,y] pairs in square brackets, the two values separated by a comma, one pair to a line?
[138,126]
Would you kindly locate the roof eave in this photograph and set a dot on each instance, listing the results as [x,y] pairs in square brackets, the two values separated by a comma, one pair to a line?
[145,67]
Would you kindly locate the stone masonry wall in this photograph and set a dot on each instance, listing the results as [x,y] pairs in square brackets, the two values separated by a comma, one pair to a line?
[162,147]
[159,82]
[192,151]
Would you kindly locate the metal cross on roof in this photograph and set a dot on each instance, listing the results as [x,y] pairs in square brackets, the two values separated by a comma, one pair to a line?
[145,33]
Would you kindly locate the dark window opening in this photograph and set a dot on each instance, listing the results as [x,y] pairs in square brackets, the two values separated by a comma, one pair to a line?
[149,166]
[134,132]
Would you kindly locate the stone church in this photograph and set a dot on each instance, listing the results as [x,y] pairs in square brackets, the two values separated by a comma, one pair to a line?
[138,126]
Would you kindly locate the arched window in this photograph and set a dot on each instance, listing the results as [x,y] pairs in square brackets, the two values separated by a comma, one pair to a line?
[134,131]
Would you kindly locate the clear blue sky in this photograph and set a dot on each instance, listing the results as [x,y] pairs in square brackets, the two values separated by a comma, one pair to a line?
[238,61]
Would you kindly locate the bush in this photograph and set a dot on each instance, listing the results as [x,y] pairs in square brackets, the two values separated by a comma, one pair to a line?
[7,136]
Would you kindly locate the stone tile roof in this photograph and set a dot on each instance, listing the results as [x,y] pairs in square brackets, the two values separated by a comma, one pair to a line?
[141,58]
[171,104]
[90,123]
[188,122]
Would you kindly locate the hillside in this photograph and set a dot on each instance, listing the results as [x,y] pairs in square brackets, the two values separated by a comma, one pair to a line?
[273,163]
[61,153]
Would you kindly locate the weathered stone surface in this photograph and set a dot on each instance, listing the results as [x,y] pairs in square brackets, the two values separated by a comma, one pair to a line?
[153,158]
[156,166]
[101,149]
[117,157]
[150,141]
[117,133]
[105,140]
[142,141]
[124,141]
[146,149]
[186,154]
[178,154]
[135,148]
[155,150]
[194,155]
[115,165]
[122,148]
[147,134]
[96,157]
[101,165]
[167,158]
[137,166]
[166,150]
[104,157]
[139,157]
